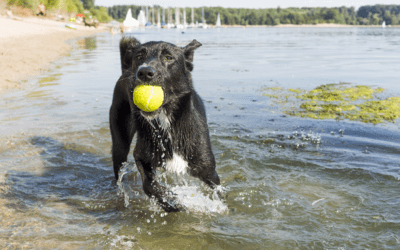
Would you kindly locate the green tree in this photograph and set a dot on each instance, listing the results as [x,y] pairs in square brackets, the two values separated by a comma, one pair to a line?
[331,14]
[88,4]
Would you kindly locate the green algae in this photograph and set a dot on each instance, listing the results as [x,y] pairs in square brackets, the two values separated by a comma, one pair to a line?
[50,78]
[235,177]
[337,101]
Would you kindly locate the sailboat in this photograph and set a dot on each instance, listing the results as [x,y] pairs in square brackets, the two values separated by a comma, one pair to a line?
[218,21]
[177,21]
[192,23]
[383,24]
[203,20]
[142,18]
[184,24]
[130,22]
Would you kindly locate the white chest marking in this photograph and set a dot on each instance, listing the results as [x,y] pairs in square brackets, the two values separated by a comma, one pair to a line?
[177,164]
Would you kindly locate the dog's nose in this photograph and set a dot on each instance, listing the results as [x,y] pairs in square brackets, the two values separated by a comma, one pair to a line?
[146,74]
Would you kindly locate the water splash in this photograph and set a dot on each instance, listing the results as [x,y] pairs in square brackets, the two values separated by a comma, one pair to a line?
[126,178]
[201,201]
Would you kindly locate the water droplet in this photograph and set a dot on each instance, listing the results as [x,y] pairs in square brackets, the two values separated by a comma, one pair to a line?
[164,223]
[149,233]
[148,221]
[155,220]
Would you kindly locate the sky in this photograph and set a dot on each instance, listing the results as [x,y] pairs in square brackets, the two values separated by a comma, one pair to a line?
[246,3]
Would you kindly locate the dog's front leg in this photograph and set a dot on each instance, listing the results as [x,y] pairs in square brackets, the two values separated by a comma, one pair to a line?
[210,178]
[122,132]
[153,189]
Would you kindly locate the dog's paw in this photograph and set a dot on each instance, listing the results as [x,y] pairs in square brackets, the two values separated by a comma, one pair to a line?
[171,205]
[170,202]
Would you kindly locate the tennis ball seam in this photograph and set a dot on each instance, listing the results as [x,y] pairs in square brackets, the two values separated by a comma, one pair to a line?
[151,95]
[148,97]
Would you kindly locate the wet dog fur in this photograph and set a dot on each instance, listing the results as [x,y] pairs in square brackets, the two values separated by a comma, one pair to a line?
[176,135]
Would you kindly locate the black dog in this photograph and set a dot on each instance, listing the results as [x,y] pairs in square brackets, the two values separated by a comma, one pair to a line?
[175,136]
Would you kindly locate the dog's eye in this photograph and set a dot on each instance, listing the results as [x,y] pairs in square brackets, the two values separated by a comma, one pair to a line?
[139,57]
[168,58]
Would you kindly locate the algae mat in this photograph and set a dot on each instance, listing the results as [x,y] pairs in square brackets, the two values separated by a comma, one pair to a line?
[338,101]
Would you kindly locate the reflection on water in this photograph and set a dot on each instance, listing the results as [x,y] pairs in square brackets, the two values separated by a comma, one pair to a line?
[88,43]
[288,182]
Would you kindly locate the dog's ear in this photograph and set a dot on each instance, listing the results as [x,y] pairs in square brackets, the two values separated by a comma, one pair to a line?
[126,48]
[188,52]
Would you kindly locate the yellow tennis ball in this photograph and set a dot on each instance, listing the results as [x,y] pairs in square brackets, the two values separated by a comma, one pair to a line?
[148,97]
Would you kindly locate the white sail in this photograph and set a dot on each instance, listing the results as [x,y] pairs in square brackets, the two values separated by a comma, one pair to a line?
[184,18]
[192,23]
[176,16]
[142,18]
[203,20]
[178,24]
[129,21]
[218,21]
[383,24]
[158,19]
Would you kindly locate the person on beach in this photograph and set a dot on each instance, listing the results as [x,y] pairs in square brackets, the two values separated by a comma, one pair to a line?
[9,13]
[41,10]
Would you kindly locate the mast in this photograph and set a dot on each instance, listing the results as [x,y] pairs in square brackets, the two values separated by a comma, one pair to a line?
[184,17]
[147,14]
[158,18]
[169,16]
[192,23]
[152,16]
[177,16]
[202,15]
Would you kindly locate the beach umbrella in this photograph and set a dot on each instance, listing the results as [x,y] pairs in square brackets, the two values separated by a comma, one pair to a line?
[81,15]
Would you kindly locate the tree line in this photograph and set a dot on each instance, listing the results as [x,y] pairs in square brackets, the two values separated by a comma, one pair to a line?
[70,7]
[365,15]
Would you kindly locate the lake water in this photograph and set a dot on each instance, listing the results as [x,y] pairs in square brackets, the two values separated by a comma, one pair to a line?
[289,183]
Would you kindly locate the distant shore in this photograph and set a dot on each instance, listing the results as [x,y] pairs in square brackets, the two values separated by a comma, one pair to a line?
[320,25]
[29,45]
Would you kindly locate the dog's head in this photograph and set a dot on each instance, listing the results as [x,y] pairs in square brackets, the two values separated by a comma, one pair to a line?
[162,64]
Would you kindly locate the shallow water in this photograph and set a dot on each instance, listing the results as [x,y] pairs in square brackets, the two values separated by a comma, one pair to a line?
[289,183]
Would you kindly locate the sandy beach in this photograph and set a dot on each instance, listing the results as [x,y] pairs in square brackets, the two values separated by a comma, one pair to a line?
[29,45]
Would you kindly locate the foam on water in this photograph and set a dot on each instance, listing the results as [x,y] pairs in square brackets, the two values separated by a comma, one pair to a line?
[194,200]
[189,193]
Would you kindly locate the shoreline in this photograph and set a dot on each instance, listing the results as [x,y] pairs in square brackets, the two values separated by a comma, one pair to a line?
[320,25]
[28,46]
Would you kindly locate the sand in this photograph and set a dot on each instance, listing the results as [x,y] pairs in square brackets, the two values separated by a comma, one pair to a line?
[29,45]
